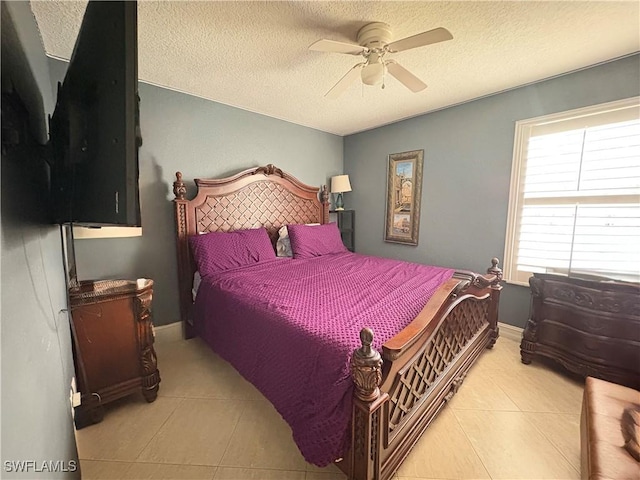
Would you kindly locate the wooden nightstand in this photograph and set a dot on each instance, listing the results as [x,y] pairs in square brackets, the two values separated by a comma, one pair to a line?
[113,344]
[346,224]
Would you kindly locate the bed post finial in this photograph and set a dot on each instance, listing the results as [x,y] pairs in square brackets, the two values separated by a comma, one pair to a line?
[495,270]
[324,194]
[179,188]
[324,200]
[366,368]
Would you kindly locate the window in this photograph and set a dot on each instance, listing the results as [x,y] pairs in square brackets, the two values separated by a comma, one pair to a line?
[574,206]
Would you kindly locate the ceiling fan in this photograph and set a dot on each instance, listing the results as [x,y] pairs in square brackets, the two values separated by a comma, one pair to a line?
[373,44]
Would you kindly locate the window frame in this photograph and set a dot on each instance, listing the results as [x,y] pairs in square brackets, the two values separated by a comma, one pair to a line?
[523,129]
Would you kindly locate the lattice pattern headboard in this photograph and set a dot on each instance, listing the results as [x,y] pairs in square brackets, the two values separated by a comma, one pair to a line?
[263,196]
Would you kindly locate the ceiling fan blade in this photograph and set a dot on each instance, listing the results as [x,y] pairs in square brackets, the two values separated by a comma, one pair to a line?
[405,77]
[345,81]
[337,47]
[421,39]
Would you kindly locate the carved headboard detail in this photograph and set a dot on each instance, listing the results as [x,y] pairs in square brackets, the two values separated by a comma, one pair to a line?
[258,197]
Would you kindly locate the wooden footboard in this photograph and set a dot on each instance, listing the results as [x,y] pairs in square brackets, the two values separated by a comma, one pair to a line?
[398,394]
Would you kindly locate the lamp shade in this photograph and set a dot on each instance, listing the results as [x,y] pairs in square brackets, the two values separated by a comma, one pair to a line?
[340,183]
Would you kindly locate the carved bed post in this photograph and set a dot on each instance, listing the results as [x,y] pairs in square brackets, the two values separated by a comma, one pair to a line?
[495,301]
[366,420]
[324,199]
[182,244]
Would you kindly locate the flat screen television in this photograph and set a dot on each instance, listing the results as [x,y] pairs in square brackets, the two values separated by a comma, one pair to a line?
[95,127]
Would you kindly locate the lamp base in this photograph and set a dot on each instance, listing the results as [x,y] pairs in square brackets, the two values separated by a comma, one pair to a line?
[339,209]
[339,202]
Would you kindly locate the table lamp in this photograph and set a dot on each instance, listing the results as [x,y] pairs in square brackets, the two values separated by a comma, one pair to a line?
[340,184]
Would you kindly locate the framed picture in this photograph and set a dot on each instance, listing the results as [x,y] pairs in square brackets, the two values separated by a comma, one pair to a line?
[404,190]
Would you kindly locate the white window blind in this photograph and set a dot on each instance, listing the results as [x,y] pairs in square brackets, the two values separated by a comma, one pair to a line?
[575,194]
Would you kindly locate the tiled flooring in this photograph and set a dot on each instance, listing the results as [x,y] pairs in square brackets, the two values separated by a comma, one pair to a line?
[508,421]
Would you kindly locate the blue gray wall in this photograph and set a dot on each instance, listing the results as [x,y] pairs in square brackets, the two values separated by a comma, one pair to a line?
[37,365]
[202,139]
[468,152]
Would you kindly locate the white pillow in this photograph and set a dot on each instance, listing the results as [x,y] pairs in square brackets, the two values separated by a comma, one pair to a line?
[283,245]
[196,284]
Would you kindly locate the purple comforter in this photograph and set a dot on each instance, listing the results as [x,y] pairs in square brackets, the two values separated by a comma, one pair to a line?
[290,326]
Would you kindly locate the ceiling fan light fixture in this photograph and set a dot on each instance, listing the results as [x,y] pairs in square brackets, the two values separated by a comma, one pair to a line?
[374,42]
[372,74]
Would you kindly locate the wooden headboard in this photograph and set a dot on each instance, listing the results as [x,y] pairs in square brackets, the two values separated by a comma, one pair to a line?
[257,197]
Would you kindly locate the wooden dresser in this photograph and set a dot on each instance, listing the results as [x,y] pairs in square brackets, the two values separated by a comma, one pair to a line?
[113,344]
[591,327]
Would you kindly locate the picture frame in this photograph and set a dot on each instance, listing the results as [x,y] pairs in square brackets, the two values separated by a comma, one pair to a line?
[404,193]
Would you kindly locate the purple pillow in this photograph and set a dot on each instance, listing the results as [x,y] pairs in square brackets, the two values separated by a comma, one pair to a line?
[220,251]
[308,241]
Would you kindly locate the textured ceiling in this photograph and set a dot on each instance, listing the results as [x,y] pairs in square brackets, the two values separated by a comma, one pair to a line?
[254,55]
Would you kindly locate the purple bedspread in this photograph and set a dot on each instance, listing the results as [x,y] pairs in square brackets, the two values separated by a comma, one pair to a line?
[290,326]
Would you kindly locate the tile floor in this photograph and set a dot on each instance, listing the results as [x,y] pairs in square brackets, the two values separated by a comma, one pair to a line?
[508,421]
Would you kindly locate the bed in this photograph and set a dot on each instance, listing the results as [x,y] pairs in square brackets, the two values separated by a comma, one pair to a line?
[393,380]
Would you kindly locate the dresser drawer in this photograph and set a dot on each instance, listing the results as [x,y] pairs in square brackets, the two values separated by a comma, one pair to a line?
[604,324]
[613,352]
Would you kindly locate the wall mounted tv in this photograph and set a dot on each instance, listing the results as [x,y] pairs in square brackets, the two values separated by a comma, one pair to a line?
[95,128]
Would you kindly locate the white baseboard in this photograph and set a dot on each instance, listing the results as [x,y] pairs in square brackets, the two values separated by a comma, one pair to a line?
[510,332]
[168,333]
